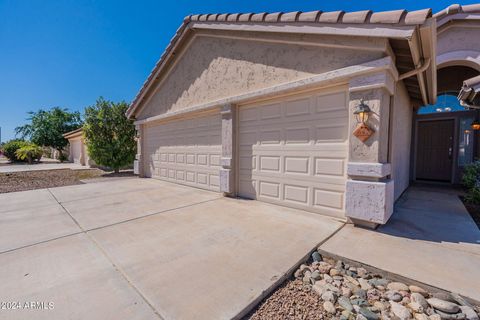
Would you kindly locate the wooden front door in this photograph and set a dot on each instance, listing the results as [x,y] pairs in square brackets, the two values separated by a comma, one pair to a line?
[435,150]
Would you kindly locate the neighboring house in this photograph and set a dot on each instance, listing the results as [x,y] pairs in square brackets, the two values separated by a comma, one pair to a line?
[269,106]
[78,152]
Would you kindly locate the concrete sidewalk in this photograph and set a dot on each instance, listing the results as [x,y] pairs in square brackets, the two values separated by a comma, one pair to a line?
[146,249]
[431,238]
[47,165]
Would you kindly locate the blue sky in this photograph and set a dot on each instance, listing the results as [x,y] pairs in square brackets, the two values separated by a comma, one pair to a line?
[67,53]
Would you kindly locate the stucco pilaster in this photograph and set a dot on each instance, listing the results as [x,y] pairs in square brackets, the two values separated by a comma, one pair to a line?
[138,164]
[375,91]
[227,172]
[369,191]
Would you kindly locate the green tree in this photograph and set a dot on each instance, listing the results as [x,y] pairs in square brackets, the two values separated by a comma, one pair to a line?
[46,127]
[110,136]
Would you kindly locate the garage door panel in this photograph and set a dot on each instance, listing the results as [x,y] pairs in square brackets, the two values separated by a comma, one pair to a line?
[293,152]
[185,151]
[76,150]
[297,165]
[327,198]
[269,189]
[325,166]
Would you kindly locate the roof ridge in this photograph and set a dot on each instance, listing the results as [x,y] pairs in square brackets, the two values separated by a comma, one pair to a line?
[339,16]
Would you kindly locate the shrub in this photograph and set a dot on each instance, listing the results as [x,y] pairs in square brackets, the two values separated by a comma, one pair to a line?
[471,174]
[110,136]
[29,152]
[10,148]
[471,181]
[62,157]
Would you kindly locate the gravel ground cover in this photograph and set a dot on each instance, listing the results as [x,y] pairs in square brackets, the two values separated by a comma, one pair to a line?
[29,180]
[331,289]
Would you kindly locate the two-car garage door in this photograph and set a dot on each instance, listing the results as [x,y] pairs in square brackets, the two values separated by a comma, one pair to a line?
[185,151]
[291,151]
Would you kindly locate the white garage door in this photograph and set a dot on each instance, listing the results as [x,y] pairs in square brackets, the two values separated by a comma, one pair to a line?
[293,152]
[76,150]
[185,151]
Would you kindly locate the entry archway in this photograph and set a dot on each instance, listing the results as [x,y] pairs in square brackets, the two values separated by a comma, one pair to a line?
[444,139]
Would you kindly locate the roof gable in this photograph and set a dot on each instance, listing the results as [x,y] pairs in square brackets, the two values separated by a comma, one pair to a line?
[340,19]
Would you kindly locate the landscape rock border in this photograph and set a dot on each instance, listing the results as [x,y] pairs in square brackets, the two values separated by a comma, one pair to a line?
[330,288]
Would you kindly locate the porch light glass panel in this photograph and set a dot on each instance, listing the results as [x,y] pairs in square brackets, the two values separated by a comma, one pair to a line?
[465,143]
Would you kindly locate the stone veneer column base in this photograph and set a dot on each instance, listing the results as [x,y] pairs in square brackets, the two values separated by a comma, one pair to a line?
[369,201]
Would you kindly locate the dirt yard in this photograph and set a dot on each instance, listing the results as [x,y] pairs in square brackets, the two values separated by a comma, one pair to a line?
[29,180]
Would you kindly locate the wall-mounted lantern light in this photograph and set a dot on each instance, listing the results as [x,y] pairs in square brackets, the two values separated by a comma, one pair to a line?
[362,112]
[475,125]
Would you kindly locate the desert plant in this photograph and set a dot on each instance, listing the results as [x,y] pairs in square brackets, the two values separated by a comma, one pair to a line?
[10,148]
[29,152]
[110,136]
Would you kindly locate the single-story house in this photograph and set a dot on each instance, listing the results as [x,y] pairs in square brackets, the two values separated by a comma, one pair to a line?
[320,111]
[78,152]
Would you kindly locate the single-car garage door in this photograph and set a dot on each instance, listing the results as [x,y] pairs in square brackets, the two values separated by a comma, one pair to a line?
[185,151]
[293,151]
[76,150]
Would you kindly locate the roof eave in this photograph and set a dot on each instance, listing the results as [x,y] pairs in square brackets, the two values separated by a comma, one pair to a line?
[73,134]
[364,30]
[182,33]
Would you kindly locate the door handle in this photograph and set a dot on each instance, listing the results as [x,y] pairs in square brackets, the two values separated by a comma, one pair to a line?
[450,152]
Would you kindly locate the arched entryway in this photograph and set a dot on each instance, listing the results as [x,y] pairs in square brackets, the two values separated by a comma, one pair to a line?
[444,141]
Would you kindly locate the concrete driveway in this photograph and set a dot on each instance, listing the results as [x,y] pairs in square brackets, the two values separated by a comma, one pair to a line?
[145,249]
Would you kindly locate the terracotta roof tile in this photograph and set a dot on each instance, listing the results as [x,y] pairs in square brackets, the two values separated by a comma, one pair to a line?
[273,17]
[290,16]
[258,17]
[331,17]
[212,17]
[233,17]
[245,17]
[456,8]
[203,17]
[387,16]
[356,17]
[194,17]
[417,17]
[222,17]
[311,16]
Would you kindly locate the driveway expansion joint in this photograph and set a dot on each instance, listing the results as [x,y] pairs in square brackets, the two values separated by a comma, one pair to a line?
[115,266]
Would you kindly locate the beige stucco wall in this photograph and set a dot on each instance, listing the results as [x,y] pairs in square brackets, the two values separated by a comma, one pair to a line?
[458,38]
[401,130]
[213,68]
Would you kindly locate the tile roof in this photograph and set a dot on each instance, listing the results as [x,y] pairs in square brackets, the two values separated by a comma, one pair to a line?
[367,16]
[395,17]
[457,8]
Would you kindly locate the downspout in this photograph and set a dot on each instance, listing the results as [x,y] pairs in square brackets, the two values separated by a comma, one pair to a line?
[424,66]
